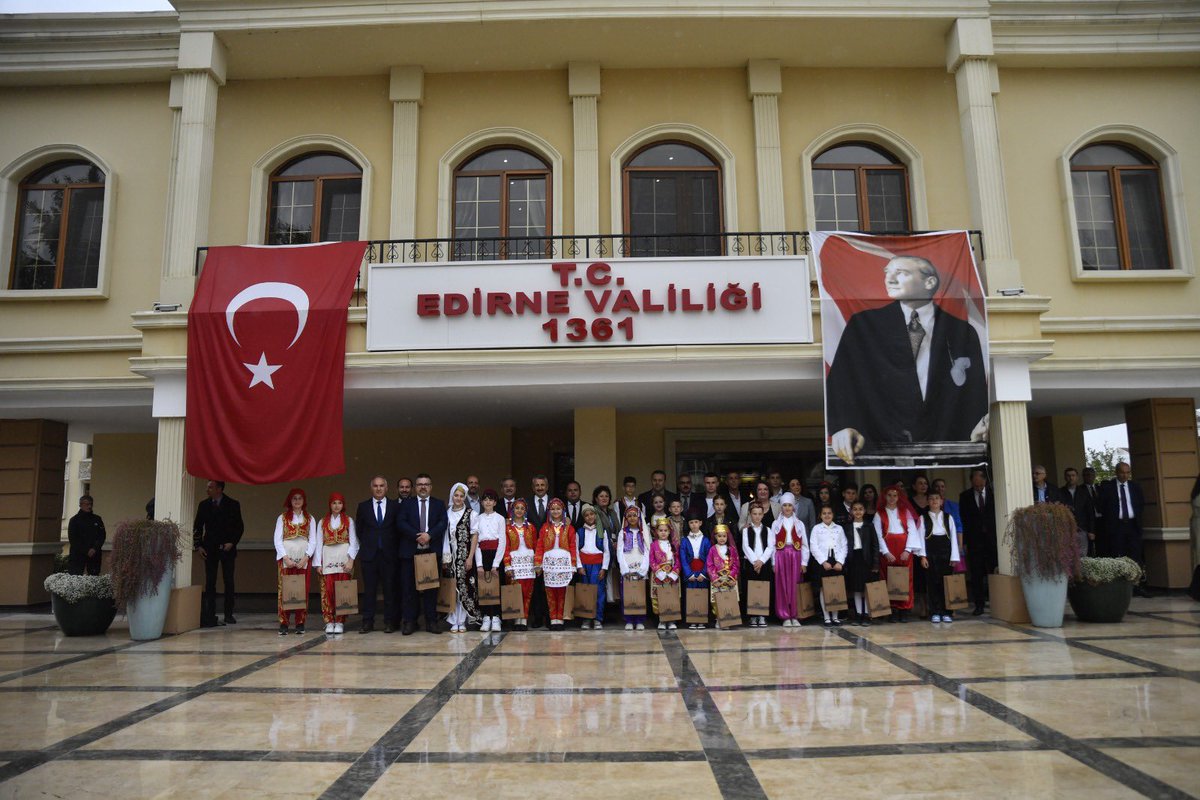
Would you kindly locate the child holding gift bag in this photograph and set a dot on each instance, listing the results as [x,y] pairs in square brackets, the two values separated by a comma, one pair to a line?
[556,557]
[938,556]
[633,545]
[756,554]
[791,557]
[862,559]
[593,561]
[827,546]
[722,566]
[334,558]
[898,529]
[693,557]
[520,541]
[295,544]
[664,565]
[488,528]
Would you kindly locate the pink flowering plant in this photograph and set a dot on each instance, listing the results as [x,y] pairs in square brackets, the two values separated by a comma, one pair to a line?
[1044,541]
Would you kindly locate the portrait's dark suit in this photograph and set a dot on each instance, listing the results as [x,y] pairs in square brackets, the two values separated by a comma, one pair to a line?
[410,526]
[218,524]
[1122,528]
[378,547]
[979,535]
[873,385]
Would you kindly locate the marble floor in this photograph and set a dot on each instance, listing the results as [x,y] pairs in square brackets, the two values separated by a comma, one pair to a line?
[979,707]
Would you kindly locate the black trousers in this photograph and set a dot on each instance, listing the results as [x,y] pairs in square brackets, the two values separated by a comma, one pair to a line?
[410,600]
[981,560]
[937,551]
[1126,539]
[85,566]
[226,560]
[381,569]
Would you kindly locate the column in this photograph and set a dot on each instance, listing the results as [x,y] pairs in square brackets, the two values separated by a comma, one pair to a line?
[174,488]
[583,83]
[1009,436]
[968,57]
[194,93]
[407,93]
[765,84]
[596,447]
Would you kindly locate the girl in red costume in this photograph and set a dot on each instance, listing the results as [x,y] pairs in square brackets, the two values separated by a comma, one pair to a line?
[295,544]
[896,526]
[337,547]
[556,556]
[520,541]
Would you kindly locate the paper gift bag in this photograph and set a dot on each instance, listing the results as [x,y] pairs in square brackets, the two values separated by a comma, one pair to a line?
[897,582]
[805,605]
[512,606]
[834,589]
[569,603]
[667,598]
[729,612]
[878,603]
[294,593]
[447,597]
[429,576]
[633,596]
[956,591]
[697,606]
[488,584]
[758,598]
[585,601]
[345,597]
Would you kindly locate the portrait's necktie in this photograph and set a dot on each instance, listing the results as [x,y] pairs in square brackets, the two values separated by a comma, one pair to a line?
[916,333]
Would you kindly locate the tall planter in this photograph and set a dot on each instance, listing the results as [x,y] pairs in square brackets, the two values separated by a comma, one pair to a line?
[1046,599]
[148,614]
[143,565]
[1045,547]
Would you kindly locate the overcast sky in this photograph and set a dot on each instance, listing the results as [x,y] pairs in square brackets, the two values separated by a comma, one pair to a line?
[75,6]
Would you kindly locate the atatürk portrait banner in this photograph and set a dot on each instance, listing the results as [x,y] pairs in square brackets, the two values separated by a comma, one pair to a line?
[905,342]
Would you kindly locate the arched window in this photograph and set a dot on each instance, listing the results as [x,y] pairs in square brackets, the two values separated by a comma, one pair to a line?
[501,205]
[1119,213]
[672,201]
[858,186]
[315,198]
[59,222]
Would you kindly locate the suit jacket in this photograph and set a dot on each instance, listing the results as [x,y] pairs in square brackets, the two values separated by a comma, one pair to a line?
[806,511]
[1081,504]
[576,518]
[1110,503]
[502,506]
[377,539]
[216,525]
[1052,495]
[85,531]
[531,511]
[695,502]
[873,386]
[978,525]
[409,521]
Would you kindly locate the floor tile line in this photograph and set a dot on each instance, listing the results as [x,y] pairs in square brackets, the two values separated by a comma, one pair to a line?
[815,685]
[1119,771]
[1136,636]
[1071,676]
[72,743]
[554,757]
[732,771]
[545,691]
[23,673]
[285,756]
[952,643]
[896,749]
[1110,742]
[1164,618]
[782,649]
[24,631]
[88,688]
[335,690]
[369,767]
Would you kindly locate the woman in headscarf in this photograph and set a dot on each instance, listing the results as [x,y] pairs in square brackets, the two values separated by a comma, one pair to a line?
[897,527]
[458,553]
[337,547]
[295,543]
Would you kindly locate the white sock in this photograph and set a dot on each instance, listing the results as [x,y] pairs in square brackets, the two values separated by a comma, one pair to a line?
[860,603]
[823,611]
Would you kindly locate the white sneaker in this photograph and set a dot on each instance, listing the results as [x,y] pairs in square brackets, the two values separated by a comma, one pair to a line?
[936,618]
[329,627]
[762,622]
[487,625]
[662,626]
[670,626]
[598,625]
[641,627]
[947,619]
[495,624]
[628,626]
[787,623]
[339,627]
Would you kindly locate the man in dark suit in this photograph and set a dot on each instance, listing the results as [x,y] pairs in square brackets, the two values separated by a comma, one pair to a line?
[1043,490]
[574,504]
[906,372]
[731,490]
[658,483]
[1077,498]
[86,534]
[508,496]
[539,612]
[423,525]
[1122,503]
[376,523]
[977,508]
[693,502]
[539,501]
[1093,490]
[216,531]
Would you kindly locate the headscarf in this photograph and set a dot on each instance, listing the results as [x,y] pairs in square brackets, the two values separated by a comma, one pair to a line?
[450,497]
[287,501]
[787,499]
[334,496]
[519,501]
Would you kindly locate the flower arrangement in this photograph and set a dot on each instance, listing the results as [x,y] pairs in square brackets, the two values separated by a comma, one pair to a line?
[1044,541]
[1099,571]
[73,588]
[142,551]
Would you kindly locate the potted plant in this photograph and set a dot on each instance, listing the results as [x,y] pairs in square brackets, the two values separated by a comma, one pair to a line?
[83,604]
[1045,545]
[143,568]
[1103,589]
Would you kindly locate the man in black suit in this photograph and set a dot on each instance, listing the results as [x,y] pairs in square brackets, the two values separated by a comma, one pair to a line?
[1077,498]
[574,504]
[376,523]
[658,483]
[693,502]
[731,490]
[508,495]
[977,508]
[1043,490]
[423,525]
[906,372]
[86,534]
[539,612]
[1093,490]
[539,501]
[1122,503]
[216,531]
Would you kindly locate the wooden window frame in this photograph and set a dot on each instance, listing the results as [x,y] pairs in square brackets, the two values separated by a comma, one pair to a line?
[1118,200]
[627,207]
[65,218]
[860,182]
[318,189]
[546,173]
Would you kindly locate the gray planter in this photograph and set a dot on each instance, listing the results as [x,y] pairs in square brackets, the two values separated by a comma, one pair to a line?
[1107,602]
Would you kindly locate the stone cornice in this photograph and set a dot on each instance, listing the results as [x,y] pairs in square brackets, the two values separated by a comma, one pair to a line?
[71,344]
[1028,29]
[87,48]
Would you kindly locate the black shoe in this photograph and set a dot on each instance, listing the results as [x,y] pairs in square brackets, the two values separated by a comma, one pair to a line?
[299,630]
[865,622]
[978,612]
[837,623]
[208,623]
[1140,591]
[367,626]
[433,628]
[520,626]
[229,620]
[407,628]
[903,618]
[389,627]
[283,631]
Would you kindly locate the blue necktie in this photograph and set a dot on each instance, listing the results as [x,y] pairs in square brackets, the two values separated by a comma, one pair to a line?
[379,511]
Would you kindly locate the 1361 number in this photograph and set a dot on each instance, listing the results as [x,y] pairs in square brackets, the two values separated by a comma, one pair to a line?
[600,329]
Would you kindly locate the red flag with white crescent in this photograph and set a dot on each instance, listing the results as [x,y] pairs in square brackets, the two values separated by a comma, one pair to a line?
[266,362]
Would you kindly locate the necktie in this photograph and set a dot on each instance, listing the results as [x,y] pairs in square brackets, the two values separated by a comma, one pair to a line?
[424,517]
[979,499]
[541,507]
[1124,503]
[916,333]
[379,511]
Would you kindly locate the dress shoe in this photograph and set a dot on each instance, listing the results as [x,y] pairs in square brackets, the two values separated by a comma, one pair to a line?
[407,628]
[367,627]
[978,612]
[208,623]
[1140,591]
[229,620]
[432,626]
[389,627]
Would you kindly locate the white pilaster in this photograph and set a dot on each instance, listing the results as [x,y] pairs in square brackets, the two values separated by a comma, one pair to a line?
[407,93]
[175,490]
[765,84]
[968,57]
[1011,463]
[583,83]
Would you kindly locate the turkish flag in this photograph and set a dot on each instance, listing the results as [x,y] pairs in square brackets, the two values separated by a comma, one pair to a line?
[266,362]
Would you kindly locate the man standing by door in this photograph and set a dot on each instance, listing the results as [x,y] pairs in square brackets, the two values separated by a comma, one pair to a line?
[977,508]
[1122,502]
[86,534]
[216,532]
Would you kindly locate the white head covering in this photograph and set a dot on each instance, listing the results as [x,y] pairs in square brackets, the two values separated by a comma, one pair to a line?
[787,498]
[455,488]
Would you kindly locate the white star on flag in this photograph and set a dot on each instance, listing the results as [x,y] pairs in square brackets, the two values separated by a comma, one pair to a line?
[262,371]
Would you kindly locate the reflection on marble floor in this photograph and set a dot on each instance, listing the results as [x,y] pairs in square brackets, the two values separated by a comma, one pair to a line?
[979,707]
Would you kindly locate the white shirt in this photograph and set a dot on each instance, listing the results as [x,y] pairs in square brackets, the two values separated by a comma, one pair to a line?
[942,524]
[634,562]
[490,527]
[857,536]
[752,549]
[915,543]
[587,544]
[334,522]
[824,538]
[280,553]
[925,315]
[474,503]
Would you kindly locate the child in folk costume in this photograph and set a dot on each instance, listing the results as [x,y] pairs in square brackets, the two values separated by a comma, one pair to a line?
[898,531]
[520,541]
[678,523]
[827,548]
[939,554]
[488,529]
[664,565]
[458,553]
[295,544]
[722,566]
[556,557]
[862,559]
[791,557]
[593,560]
[337,546]
[756,555]
[693,557]
[633,556]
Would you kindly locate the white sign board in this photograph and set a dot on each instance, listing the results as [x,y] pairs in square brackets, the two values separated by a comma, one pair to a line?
[652,301]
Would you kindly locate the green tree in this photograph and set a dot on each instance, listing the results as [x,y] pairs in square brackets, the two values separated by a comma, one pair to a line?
[1103,460]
